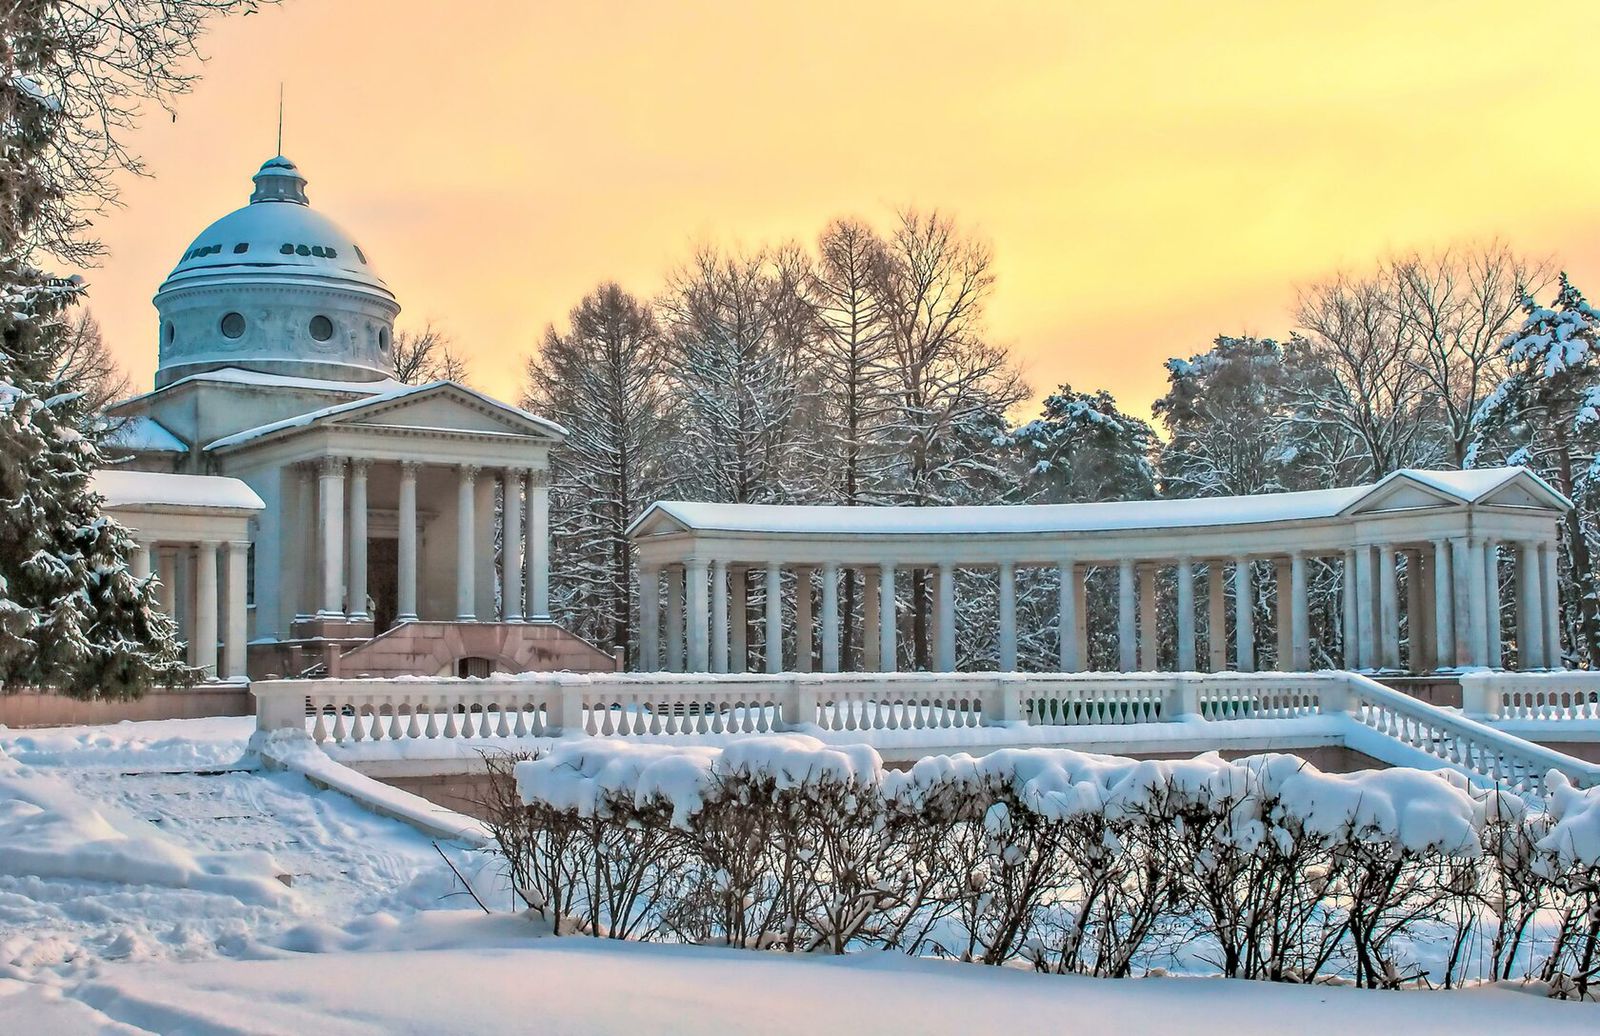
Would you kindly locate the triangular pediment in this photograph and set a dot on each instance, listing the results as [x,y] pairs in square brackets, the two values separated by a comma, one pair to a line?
[1525,490]
[1400,492]
[443,406]
[655,521]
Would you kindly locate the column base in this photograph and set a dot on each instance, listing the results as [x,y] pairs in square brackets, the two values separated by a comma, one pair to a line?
[331,627]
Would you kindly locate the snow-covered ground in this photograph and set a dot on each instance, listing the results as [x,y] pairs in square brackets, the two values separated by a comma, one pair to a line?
[150,883]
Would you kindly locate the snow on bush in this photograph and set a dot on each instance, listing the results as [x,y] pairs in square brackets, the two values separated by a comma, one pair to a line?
[1072,862]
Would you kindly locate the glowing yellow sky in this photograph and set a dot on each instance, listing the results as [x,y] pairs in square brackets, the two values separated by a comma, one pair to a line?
[1148,174]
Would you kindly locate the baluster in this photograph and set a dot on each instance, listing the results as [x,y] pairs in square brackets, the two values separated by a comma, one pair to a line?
[319,729]
[431,728]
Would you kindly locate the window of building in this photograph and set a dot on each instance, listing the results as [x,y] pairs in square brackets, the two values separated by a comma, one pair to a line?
[321,328]
[233,325]
[383,338]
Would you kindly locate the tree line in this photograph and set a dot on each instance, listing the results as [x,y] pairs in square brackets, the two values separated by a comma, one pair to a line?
[858,370]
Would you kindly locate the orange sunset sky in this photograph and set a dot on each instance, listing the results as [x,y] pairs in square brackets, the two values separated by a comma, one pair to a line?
[1149,174]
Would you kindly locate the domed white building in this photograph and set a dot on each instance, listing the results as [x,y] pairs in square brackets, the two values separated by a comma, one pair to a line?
[374,549]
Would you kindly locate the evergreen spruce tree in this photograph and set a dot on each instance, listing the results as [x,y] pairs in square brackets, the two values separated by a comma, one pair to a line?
[1546,414]
[72,616]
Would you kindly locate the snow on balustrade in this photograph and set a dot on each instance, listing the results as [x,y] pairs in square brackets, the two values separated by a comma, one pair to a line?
[1557,696]
[937,709]
[1457,740]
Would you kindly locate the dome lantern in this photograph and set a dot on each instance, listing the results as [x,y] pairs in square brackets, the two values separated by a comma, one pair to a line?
[279,180]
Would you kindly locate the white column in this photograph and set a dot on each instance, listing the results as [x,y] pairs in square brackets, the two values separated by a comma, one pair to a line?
[1444,623]
[888,659]
[870,641]
[739,620]
[205,614]
[466,555]
[1493,635]
[1366,621]
[1149,635]
[1216,618]
[511,559]
[1467,564]
[237,633]
[719,616]
[1186,637]
[945,657]
[675,583]
[1008,617]
[1283,618]
[774,638]
[694,575]
[1080,583]
[1068,657]
[139,561]
[802,619]
[649,618]
[1389,607]
[538,546]
[309,584]
[1530,623]
[1416,626]
[1127,623]
[1299,613]
[1244,617]
[356,605]
[167,574]
[406,568]
[1550,590]
[1349,596]
[1428,609]
[330,491]
[830,618]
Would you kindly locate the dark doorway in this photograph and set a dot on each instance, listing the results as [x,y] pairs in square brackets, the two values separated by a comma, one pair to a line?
[383,581]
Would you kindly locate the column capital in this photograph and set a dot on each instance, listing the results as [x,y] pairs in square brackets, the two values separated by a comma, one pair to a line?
[410,467]
[468,472]
[360,465]
[539,478]
[331,466]
[238,544]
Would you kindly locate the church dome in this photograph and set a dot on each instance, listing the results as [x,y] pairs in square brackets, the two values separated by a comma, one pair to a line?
[276,287]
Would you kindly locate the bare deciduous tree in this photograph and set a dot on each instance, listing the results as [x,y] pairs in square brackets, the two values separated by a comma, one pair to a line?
[427,355]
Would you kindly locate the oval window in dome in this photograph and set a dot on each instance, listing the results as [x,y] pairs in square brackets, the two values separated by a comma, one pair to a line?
[233,325]
[383,338]
[321,328]
[169,333]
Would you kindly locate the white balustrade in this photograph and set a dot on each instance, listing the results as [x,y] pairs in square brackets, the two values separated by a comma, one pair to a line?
[1458,740]
[1550,697]
[668,705]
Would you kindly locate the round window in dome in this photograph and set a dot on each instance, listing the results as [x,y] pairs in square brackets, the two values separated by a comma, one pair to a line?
[383,338]
[321,328]
[233,325]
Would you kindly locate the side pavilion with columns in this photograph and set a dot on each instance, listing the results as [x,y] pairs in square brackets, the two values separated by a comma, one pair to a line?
[1418,549]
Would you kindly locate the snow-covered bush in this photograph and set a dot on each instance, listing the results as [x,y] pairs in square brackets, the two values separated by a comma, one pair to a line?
[1263,867]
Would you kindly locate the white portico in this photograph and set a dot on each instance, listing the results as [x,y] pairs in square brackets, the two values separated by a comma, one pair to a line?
[200,523]
[1421,551]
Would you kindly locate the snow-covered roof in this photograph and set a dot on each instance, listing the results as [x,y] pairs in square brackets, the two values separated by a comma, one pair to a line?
[123,488]
[402,392]
[1463,486]
[239,376]
[144,434]
[278,234]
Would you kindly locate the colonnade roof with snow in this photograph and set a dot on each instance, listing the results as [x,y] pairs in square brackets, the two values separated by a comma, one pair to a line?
[1407,489]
